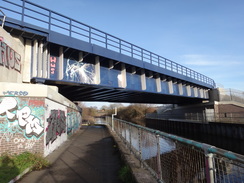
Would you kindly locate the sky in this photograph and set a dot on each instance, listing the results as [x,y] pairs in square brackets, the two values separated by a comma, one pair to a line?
[204,35]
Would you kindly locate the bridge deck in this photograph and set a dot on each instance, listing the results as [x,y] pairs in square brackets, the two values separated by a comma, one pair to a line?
[88,157]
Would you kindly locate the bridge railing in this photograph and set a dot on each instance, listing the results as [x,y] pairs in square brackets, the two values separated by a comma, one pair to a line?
[28,12]
[174,159]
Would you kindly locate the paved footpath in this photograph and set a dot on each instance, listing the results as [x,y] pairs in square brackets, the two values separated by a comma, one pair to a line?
[89,157]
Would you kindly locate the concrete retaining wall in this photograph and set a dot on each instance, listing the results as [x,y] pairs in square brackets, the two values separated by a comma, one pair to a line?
[35,118]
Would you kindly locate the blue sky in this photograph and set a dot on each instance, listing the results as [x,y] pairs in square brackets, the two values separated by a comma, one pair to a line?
[204,35]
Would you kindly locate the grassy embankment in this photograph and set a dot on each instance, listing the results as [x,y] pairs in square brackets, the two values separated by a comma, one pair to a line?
[13,165]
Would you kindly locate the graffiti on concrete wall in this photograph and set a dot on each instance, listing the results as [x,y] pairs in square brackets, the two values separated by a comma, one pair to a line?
[18,119]
[56,125]
[23,143]
[15,93]
[79,71]
[73,122]
[8,57]
[7,132]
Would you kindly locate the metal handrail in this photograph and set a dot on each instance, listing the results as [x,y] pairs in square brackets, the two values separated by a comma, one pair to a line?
[4,17]
[57,22]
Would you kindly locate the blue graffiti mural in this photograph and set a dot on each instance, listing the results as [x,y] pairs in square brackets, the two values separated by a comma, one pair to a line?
[73,122]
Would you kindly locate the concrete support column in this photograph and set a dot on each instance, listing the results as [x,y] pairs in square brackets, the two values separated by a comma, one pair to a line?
[39,60]
[45,63]
[34,59]
[188,90]
[206,92]
[170,85]
[158,83]
[48,62]
[123,76]
[143,80]
[97,70]
[195,89]
[61,63]
[27,61]
[180,89]
[201,93]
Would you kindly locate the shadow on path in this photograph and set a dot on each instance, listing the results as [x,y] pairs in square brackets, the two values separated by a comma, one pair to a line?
[91,158]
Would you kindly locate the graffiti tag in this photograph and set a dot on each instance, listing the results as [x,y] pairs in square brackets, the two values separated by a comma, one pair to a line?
[23,143]
[15,93]
[53,61]
[56,125]
[8,57]
[26,121]
[73,122]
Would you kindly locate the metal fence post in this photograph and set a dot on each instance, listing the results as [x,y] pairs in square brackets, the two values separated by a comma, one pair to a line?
[23,11]
[209,168]
[130,139]
[140,146]
[158,158]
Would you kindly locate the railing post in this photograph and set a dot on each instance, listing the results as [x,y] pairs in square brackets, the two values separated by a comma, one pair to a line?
[89,34]
[115,113]
[142,55]
[140,146]
[70,27]
[23,11]
[209,168]
[120,51]
[49,23]
[106,41]
[130,138]
[158,158]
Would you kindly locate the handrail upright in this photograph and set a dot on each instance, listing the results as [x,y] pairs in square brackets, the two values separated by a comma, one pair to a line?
[4,17]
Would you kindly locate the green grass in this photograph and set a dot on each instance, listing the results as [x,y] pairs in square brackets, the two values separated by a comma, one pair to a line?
[125,175]
[11,166]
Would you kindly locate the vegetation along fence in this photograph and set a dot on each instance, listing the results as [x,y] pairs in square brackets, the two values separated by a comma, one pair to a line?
[172,159]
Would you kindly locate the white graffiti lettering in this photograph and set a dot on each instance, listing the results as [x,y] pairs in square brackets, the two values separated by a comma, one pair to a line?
[18,140]
[23,143]
[7,106]
[26,121]
[15,93]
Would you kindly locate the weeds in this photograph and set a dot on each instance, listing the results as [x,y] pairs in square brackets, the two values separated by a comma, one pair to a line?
[11,166]
[125,174]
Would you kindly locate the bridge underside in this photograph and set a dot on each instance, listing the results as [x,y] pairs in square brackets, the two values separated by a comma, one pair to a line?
[84,92]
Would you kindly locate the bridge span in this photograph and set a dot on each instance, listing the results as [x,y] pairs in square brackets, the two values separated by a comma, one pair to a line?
[90,65]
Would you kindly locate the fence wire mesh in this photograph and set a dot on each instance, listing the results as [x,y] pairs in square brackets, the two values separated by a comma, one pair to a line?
[173,159]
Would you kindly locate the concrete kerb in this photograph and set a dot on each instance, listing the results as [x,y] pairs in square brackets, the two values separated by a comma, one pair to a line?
[141,175]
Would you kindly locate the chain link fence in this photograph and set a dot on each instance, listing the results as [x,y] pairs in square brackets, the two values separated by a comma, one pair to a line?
[231,95]
[172,159]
